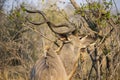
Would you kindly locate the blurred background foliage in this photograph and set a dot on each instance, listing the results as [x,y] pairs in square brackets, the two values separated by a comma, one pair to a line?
[21,42]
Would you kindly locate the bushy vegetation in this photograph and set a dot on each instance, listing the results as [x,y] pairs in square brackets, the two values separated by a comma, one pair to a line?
[15,47]
[21,42]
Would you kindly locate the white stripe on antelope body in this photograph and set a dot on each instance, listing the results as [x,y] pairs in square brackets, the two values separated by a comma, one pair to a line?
[49,67]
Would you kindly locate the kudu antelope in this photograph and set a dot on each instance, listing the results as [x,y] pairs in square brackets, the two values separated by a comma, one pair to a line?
[49,67]
[59,65]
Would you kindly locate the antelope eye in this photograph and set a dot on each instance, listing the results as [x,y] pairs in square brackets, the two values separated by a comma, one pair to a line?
[80,38]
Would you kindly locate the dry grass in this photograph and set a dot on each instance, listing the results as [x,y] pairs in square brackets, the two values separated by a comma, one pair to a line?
[19,48]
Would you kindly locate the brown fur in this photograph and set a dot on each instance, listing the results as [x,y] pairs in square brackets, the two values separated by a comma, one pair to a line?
[49,67]
[60,66]
[70,52]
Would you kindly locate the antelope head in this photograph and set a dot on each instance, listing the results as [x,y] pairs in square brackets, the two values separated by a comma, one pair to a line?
[70,52]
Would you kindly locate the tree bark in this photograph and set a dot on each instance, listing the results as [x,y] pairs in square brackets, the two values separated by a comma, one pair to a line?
[75,5]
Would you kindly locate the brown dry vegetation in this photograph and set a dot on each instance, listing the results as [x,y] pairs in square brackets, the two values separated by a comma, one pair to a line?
[21,42]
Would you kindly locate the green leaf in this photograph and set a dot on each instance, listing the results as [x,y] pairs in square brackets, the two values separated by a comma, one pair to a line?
[42,0]
[23,8]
